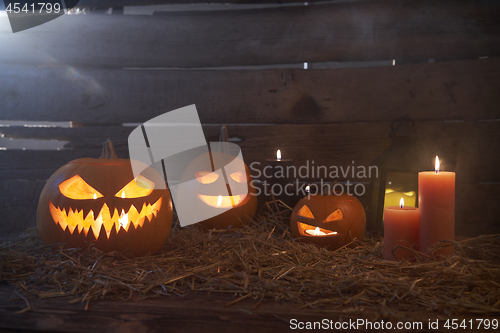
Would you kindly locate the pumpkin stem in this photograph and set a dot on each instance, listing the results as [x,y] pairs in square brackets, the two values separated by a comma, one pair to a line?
[223,140]
[108,151]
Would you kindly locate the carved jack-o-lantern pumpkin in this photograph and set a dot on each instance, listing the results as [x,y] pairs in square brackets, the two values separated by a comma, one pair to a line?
[211,188]
[99,200]
[220,183]
[328,220]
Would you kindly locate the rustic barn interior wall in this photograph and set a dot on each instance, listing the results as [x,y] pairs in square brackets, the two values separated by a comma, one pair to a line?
[368,64]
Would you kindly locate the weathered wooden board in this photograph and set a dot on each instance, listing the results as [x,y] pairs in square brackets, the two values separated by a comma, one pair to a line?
[470,147]
[167,314]
[88,137]
[477,209]
[192,313]
[120,3]
[337,144]
[18,203]
[449,90]
[347,31]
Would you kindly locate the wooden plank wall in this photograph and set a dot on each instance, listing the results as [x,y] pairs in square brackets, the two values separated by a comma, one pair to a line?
[407,31]
[104,70]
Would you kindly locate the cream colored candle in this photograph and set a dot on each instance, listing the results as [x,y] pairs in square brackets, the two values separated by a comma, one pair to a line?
[436,200]
[401,227]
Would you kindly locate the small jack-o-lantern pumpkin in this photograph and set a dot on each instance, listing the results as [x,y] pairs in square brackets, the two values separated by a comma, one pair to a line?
[99,200]
[209,185]
[221,183]
[328,220]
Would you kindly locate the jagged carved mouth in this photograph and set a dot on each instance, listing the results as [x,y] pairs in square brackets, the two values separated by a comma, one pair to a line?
[220,201]
[73,219]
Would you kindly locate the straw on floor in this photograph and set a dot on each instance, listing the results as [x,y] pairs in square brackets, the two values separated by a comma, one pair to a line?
[263,262]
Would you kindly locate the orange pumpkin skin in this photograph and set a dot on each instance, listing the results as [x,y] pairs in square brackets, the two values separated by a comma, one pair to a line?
[341,217]
[239,214]
[107,176]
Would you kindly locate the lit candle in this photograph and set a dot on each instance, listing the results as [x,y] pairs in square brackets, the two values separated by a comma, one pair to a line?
[401,227]
[276,170]
[436,199]
[319,232]
[315,232]
[276,173]
[279,160]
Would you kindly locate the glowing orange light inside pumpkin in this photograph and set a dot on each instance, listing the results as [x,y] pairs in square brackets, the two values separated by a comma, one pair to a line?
[239,176]
[305,212]
[75,219]
[309,230]
[220,201]
[334,216]
[78,189]
[138,187]
[206,177]
[123,220]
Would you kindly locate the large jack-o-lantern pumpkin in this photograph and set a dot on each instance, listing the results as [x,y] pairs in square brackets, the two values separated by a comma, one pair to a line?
[221,184]
[328,220]
[99,200]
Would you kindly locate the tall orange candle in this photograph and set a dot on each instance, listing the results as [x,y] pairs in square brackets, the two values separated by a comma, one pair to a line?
[401,227]
[436,200]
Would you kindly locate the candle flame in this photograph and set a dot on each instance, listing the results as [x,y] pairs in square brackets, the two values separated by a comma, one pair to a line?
[437,165]
[95,196]
[401,203]
[123,219]
[219,200]
[308,188]
[278,155]
[123,194]
[316,231]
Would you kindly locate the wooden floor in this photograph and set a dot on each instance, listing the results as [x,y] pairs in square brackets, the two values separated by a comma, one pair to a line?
[192,313]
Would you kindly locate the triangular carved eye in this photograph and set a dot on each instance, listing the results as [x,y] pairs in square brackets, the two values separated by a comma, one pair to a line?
[305,212]
[206,177]
[239,176]
[334,216]
[139,187]
[77,188]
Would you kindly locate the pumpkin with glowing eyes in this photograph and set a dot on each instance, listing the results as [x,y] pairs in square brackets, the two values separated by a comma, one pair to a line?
[328,220]
[222,183]
[99,200]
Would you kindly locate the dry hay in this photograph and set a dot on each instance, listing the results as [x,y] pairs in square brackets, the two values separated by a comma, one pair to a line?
[262,261]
